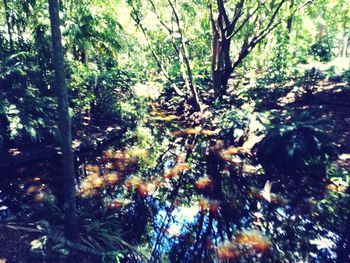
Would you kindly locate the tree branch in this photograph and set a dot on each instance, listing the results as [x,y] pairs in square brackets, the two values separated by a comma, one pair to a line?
[222,11]
[238,13]
[248,17]
[247,47]
[173,41]
[186,58]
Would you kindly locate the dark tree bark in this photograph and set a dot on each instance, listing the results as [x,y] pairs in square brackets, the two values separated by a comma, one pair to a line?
[69,182]
[290,19]
[4,131]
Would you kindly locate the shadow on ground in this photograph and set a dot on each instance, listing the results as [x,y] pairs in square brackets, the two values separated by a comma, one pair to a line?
[330,101]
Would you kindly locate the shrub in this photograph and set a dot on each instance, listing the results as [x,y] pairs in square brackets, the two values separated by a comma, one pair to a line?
[129,111]
[295,149]
[310,78]
[322,49]
[99,90]
[28,108]
[238,123]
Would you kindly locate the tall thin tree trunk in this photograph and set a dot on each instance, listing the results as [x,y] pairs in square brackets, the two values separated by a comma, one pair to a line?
[290,19]
[194,98]
[221,66]
[215,53]
[69,182]
[9,29]
[345,46]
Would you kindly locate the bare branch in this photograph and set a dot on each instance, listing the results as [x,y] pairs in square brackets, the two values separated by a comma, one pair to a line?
[279,6]
[211,17]
[222,11]
[237,15]
[159,17]
[248,17]
[215,38]
[271,25]
[247,47]
[186,57]
[302,6]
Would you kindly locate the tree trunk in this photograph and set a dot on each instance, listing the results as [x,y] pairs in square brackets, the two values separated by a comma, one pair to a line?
[290,19]
[226,29]
[69,183]
[345,46]
[194,98]
[221,65]
[4,133]
[84,56]
[215,49]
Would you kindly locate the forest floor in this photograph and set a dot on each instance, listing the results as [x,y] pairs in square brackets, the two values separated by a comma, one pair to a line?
[15,246]
[329,100]
[87,137]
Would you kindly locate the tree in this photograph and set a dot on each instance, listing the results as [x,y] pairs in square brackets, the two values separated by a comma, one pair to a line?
[250,23]
[244,25]
[179,46]
[65,124]
[254,20]
[90,34]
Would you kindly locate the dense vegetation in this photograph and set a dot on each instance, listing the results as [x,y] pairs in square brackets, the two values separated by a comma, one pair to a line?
[176,131]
